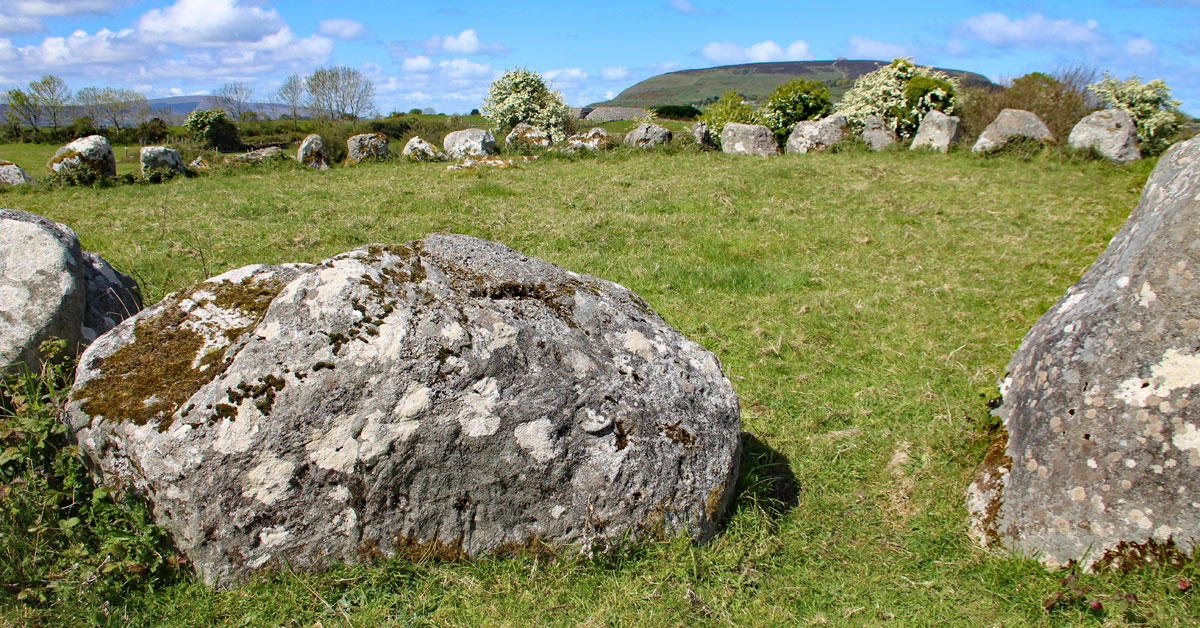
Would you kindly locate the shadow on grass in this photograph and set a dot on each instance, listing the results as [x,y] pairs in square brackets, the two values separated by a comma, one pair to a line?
[765,481]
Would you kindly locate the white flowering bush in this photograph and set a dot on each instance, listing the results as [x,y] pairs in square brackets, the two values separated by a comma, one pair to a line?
[522,95]
[795,100]
[900,94]
[1150,105]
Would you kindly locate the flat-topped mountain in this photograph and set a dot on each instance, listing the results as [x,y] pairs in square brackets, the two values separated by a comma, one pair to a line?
[754,81]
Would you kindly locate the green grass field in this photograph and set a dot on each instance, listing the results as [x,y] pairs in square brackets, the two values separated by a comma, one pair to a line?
[33,157]
[859,302]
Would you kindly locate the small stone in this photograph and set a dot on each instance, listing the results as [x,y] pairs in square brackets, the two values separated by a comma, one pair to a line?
[1111,132]
[526,136]
[12,174]
[813,136]
[312,153]
[748,139]
[876,135]
[647,135]
[160,158]
[417,149]
[367,147]
[92,153]
[937,132]
[1009,125]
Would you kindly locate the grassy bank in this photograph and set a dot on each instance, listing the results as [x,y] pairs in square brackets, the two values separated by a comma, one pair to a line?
[859,303]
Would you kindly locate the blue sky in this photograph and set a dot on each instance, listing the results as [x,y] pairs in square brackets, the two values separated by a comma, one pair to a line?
[426,54]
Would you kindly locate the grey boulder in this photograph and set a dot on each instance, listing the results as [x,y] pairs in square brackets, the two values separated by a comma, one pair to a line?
[160,158]
[450,394]
[594,139]
[50,288]
[12,174]
[937,132]
[258,156]
[647,135]
[367,147]
[703,136]
[312,153]
[876,134]
[469,143]
[92,154]
[417,149]
[813,136]
[1111,132]
[526,136]
[1011,124]
[748,139]
[1101,465]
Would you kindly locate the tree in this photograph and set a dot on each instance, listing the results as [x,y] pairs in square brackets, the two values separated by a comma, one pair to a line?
[52,97]
[522,95]
[796,100]
[234,98]
[212,127]
[22,109]
[118,105]
[339,92]
[292,95]
[1150,105]
[900,93]
[89,102]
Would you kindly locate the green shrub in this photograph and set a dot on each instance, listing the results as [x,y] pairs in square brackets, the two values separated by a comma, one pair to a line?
[521,95]
[677,112]
[1150,105]
[884,93]
[393,126]
[63,538]
[213,128]
[728,108]
[796,100]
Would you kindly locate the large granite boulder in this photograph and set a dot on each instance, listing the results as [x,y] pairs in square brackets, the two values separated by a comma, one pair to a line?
[876,134]
[90,156]
[417,149]
[593,140]
[12,174]
[703,136]
[1102,459]
[748,139]
[312,153]
[525,137]
[647,135]
[937,132]
[469,143]
[812,136]
[50,288]
[1010,125]
[610,114]
[1111,132]
[367,147]
[448,394]
[160,158]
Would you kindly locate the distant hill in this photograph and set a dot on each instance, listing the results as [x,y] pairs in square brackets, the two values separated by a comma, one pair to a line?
[754,81]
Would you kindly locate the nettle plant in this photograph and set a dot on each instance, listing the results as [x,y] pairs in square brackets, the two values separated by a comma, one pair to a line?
[901,94]
[522,95]
[1150,105]
[792,102]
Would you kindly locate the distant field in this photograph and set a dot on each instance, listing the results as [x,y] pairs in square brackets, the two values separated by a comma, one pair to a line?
[33,157]
[859,302]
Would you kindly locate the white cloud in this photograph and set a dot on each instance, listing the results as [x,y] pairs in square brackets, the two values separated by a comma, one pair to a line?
[420,63]
[17,24]
[614,72]
[729,52]
[58,8]
[465,69]
[81,49]
[1032,31]
[464,43]
[1140,47]
[862,48]
[341,28]
[683,6]
[210,23]
[567,75]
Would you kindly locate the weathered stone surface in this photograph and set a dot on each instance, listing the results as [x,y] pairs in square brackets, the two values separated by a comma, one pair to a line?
[475,163]
[524,135]
[937,132]
[312,153]
[1102,458]
[417,149]
[647,135]
[1009,125]
[199,163]
[748,139]
[50,288]
[449,393]
[595,139]
[813,136]
[1112,132]
[160,158]
[257,156]
[876,135]
[704,136]
[12,174]
[367,147]
[609,114]
[92,153]
[469,143]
